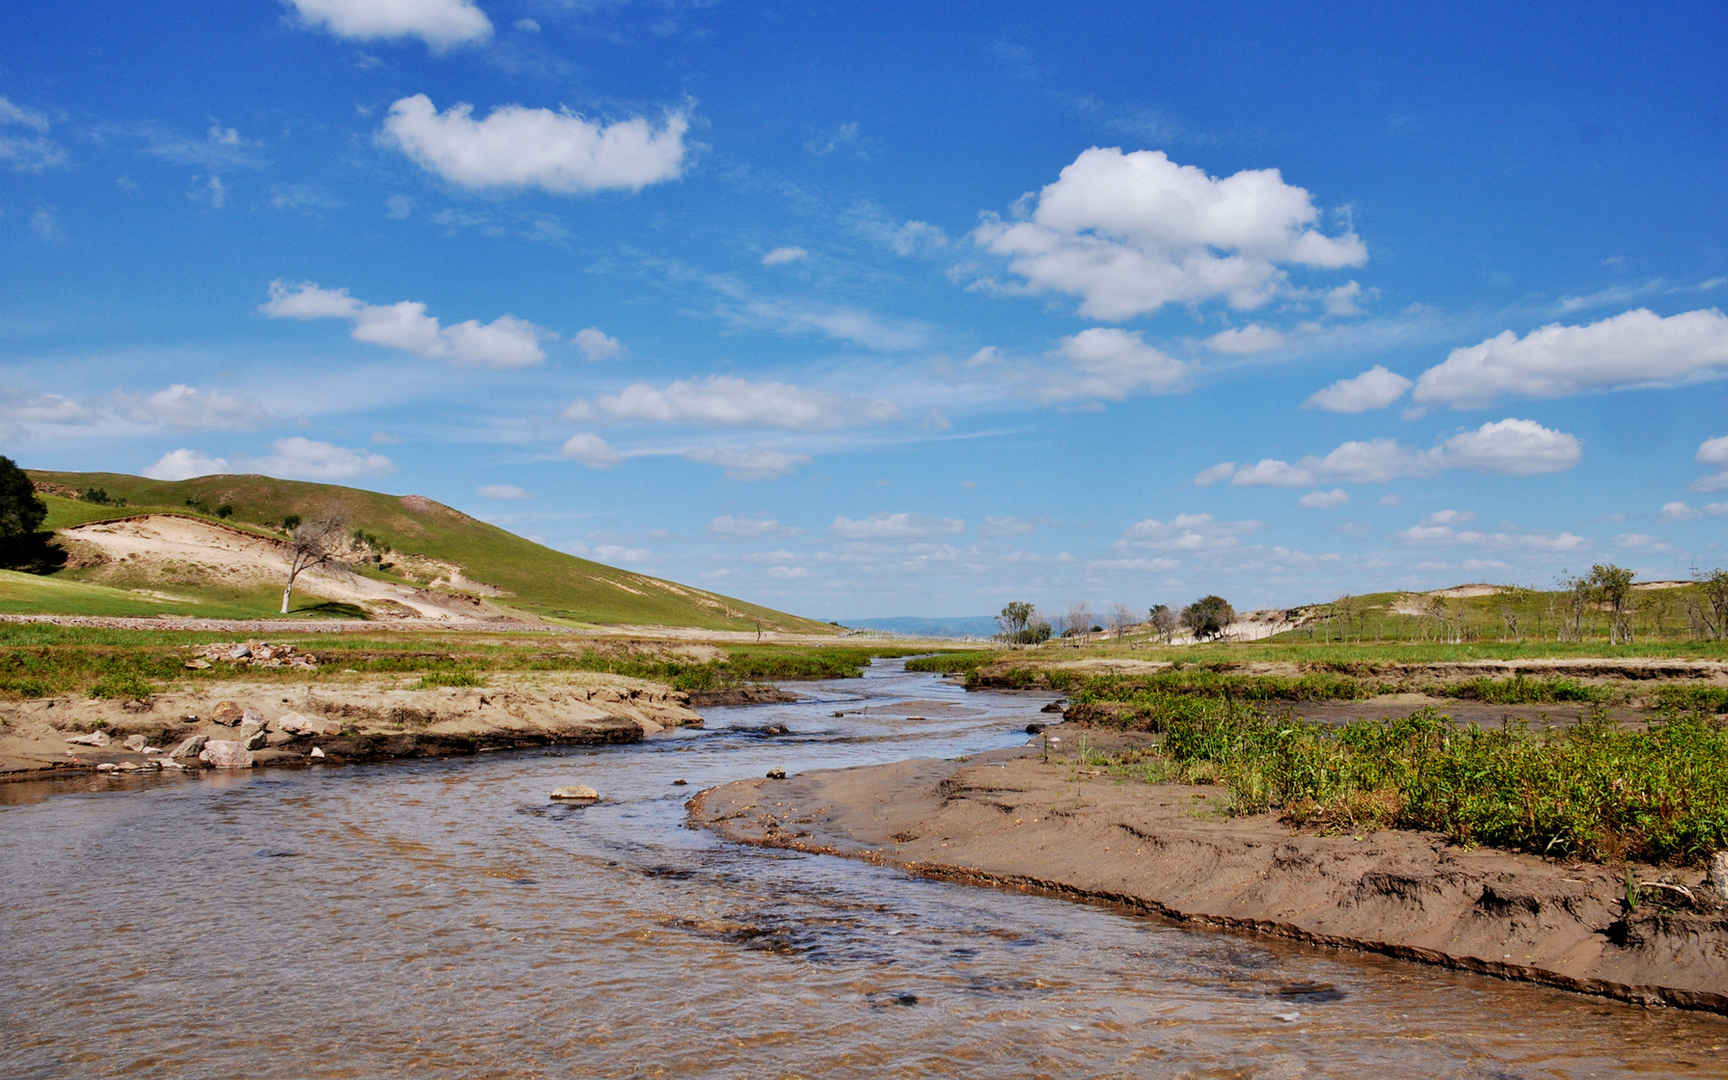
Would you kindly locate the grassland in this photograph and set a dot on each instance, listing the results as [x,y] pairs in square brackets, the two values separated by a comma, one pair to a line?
[534,579]
[40,660]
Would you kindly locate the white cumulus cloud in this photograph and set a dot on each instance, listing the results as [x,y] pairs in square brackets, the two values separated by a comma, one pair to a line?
[505,342]
[501,491]
[745,527]
[1713,452]
[308,459]
[597,345]
[184,464]
[591,450]
[1128,233]
[439,23]
[1512,447]
[1634,348]
[780,256]
[519,147]
[1375,388]
[1112,364]
[1324,500]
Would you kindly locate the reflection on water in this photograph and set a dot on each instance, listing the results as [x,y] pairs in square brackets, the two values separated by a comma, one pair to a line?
[443,919]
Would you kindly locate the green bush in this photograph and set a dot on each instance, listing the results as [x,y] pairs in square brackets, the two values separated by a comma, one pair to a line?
[125,685]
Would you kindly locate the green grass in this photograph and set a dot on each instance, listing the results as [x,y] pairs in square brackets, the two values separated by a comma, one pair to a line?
[39,660]
[535,579]
[954,663]
[1591,791]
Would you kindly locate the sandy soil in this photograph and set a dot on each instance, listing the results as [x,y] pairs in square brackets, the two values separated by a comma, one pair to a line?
[1008,820]
[372,718]
[159,541]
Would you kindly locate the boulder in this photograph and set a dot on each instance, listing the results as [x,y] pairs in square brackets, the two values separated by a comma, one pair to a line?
[581,793]
[189,749]
[1719,873]
[776,774]
[317,752]
[197,664]
[227,713]
[137,743]
[225,754]
[254,737]
[239,652]
[93,738]
[301,724]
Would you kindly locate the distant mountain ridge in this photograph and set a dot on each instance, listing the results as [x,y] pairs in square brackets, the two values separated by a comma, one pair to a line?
[963,626]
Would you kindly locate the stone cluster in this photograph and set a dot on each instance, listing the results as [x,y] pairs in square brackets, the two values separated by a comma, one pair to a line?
[251,654]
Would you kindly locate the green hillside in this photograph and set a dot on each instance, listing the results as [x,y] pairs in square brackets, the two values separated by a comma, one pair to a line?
[532,578]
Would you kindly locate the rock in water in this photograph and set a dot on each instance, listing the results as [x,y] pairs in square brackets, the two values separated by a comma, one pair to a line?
[94,738]
[136,743]
[225,754]
[580,793]
[189,748]
[1719,873]
[776,774]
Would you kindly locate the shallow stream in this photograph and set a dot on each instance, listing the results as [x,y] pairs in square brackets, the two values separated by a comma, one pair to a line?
[443,919]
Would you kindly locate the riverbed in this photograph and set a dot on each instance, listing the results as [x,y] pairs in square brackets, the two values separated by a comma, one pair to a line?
[443,919]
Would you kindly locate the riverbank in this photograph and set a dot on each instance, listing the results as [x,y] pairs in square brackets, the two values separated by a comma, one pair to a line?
[1011,820]
[261,721]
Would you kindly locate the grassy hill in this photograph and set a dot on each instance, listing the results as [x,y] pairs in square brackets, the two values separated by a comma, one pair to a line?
[529,577]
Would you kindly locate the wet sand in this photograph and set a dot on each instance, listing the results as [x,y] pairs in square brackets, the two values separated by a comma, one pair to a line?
[1011,821]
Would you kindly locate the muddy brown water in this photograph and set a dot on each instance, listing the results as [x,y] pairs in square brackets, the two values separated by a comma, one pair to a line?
[442,919]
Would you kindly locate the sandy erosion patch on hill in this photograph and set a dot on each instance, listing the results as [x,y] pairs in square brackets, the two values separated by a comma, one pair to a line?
[169,548]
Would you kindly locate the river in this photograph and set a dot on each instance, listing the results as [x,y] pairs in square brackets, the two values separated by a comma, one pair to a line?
[442,919]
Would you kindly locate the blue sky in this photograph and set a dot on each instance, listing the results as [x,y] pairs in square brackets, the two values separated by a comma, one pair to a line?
[864,310]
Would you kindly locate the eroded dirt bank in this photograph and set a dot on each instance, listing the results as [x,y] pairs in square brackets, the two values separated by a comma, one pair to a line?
[1011,821]
[354,719]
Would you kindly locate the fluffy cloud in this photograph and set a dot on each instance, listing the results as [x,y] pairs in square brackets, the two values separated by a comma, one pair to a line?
[1130,233]
[1512,447]
[1713,452]
[780,256]
[597,345]
[733,402]
[501,491]
[1112,364]
[1375,388]
[184,464]
[590,450]
[747,462]
[743,527]
[1214,474]
[1449,517]
[1184,532]
[1525,541]
[439,23]
[309,459]
[1324,500]
[1679,511]
[1345,300]
[895,527]
[505,342]
[518,147]
[182,406]
[1631,349]
[1245,340]
[294,457]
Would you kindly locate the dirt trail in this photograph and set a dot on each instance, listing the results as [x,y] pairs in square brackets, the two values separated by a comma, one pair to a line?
[1012,822]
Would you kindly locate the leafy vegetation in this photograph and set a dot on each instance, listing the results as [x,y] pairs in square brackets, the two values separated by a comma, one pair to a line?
[1592,790]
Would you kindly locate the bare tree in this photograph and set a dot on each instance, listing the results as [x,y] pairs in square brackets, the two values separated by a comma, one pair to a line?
[1121,618]
[1708,606]
[1513,600]
[1163,621]
[312,543]
[1079,622]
